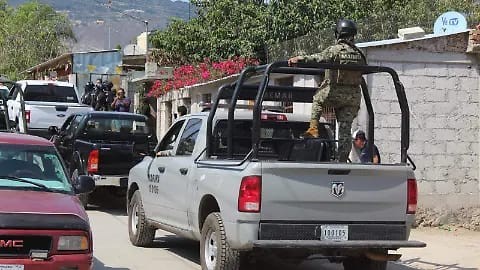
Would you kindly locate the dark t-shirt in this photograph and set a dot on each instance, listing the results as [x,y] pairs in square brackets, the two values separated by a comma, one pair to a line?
[366,156]
[123,105]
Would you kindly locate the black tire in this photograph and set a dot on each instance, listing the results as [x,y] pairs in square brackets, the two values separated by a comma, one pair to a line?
[143,234]
[225,257]
[355,263]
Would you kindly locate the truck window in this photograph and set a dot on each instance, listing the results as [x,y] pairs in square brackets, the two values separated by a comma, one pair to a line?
[75,123]
[67,123]
[168,142]
[189,137]
[50,93]
[114,126]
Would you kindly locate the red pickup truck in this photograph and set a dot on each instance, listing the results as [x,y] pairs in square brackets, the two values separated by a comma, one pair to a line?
[42,222]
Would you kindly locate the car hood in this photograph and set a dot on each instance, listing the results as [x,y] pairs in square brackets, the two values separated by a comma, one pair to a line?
[39,202]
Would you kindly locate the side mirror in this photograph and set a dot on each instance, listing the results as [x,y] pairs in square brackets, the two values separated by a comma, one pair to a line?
[53,130]
[84,184]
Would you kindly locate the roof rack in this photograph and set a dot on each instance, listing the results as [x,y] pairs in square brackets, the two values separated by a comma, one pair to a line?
[241,90]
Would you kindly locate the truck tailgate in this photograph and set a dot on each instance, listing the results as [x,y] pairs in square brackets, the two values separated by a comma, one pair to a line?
[313,192]
[46,114]
[117,158]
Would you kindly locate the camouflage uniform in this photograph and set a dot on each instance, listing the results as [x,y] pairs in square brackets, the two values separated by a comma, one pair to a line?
[340,90]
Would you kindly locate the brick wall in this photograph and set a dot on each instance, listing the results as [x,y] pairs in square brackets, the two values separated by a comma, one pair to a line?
[443,92]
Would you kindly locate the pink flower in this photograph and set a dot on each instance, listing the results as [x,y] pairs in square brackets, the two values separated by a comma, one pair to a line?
[206,75]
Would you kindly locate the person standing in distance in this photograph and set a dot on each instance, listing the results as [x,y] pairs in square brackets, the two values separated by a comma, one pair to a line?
[341,88]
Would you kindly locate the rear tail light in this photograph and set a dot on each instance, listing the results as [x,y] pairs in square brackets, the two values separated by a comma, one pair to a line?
[273,117]
[27,116]
[412,194]
[93,159]
[250,194]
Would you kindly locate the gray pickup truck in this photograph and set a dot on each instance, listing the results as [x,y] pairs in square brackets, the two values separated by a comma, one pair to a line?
[246,183]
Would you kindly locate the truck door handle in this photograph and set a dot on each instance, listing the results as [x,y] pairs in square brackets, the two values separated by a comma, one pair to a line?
[183,171]
[161,169]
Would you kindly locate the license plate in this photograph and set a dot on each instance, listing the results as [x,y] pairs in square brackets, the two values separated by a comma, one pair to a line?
[334,232]
[11,267]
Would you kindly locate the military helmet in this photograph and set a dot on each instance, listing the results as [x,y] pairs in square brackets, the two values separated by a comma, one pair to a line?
[345,28]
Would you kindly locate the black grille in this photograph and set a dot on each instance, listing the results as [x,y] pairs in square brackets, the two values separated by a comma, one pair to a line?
[9,245]
[309,231]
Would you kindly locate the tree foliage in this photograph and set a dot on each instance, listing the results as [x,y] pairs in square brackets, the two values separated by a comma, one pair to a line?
[30,34]
[226,28]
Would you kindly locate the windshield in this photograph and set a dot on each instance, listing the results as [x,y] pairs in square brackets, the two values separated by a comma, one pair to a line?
[38,164]
[50,93]
[119,126]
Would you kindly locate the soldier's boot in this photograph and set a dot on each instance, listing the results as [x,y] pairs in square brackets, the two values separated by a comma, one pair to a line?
[312,132]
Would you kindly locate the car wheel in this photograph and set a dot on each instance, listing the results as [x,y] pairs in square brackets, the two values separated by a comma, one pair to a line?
[355,263]
[82,197]
[140,232]
[215,253]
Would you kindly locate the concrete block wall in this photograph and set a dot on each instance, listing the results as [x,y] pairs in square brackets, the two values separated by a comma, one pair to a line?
[444,127]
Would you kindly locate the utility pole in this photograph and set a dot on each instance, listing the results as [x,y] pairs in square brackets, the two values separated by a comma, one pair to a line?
[146,37]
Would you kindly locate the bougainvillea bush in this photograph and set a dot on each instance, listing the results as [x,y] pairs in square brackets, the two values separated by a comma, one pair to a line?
[188,75]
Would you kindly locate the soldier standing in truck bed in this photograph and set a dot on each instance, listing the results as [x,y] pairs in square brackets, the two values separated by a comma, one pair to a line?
[340,88]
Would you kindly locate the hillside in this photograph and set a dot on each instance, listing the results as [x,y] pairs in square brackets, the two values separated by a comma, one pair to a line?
[93,21]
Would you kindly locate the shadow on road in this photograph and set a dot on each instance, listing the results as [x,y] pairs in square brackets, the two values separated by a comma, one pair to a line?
[182,247]
[409,265]
[103,201]
[98,265]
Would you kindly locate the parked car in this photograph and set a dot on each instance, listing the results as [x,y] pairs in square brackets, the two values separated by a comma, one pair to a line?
[104,145]
[43,224]
[249,184]
[47,103]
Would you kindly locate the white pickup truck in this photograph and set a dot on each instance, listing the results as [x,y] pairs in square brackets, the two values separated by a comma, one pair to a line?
[47,103]
[248,183]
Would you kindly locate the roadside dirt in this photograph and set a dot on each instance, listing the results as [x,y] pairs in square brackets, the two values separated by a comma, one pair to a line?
[447,249]
[468,218]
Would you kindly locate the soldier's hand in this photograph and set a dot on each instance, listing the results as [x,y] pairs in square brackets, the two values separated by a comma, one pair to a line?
[294,60]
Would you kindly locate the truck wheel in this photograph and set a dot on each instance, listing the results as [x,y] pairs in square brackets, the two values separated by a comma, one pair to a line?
[355,263]
[141,234]
[215,253]
[82,197]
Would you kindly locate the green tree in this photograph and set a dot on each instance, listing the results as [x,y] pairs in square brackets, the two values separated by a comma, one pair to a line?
[222,29]
[225,28]
[30,34]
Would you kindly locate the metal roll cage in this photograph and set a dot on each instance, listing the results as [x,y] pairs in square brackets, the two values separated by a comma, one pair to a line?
[240,90]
